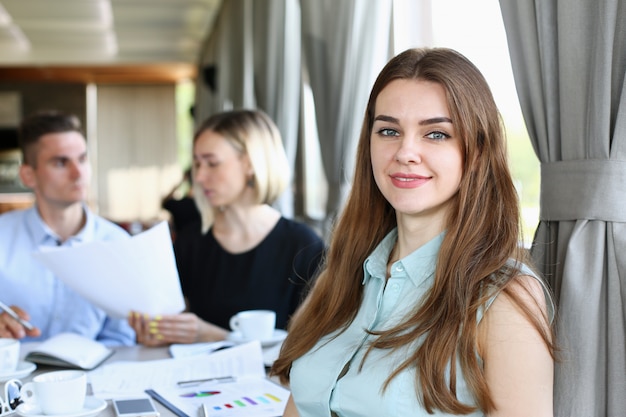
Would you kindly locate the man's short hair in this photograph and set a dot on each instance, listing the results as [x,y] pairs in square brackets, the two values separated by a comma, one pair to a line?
[42,123]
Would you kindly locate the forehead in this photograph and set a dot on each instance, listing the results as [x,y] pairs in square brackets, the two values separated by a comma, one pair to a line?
[69,144]
[211,143]
[412,98]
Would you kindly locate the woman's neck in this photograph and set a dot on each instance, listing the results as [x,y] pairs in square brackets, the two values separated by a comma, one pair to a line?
[413,234]
[241,228]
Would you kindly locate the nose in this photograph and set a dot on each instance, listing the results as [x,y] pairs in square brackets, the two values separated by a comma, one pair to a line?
[76,169]
[200,174]
[409,151]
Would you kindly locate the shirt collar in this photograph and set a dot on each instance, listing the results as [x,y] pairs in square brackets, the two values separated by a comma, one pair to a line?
[44,235]
[419,265]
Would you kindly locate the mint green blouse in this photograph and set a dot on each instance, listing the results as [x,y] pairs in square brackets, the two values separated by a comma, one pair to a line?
[317,387]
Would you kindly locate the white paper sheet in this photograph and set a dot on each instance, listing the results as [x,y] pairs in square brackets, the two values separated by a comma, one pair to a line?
[117,379]
[119,276]
[247,397]
[182,350]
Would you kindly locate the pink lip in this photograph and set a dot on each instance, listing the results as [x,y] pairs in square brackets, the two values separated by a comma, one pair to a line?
[402,180]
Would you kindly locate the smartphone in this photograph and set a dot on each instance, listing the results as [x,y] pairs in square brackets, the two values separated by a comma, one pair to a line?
[135,407]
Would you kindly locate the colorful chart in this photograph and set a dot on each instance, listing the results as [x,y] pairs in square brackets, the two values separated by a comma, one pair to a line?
[200,394]
[248,402]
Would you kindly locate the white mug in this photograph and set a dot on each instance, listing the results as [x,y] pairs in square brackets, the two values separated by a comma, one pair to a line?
[254,324]
[57,392]
[9,355]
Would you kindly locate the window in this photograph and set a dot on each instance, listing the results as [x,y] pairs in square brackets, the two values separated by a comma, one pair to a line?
[476,30]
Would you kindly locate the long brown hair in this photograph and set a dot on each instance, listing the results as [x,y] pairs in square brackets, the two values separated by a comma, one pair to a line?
[482,233]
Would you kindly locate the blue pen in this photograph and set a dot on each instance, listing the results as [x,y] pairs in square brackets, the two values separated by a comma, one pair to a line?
[13,314]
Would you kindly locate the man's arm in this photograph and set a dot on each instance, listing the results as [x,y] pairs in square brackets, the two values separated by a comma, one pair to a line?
[116,332]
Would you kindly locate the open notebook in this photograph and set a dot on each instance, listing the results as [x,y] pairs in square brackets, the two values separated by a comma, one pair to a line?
[70,350]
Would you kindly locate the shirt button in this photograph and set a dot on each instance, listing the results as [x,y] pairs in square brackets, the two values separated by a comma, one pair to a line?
[399,268]
[395,287]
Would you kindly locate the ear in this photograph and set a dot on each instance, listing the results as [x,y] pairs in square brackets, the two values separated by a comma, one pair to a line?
[27,176]
[248,166]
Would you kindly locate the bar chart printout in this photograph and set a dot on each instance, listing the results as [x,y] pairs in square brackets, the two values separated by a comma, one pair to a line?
[251,397]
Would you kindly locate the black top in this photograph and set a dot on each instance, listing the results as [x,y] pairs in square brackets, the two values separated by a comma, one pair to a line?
[272,276]
[183,211]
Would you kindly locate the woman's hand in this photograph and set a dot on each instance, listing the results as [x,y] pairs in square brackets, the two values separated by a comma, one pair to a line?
[11,328]
[176,328]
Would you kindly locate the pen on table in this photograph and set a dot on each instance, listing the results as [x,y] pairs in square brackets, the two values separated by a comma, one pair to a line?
[199,381]
[13,314]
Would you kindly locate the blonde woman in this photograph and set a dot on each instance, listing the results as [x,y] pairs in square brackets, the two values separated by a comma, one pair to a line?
[246,255]
[425,304]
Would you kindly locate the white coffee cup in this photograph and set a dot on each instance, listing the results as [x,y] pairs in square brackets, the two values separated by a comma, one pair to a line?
[57,392]
[9,355]
[254,324]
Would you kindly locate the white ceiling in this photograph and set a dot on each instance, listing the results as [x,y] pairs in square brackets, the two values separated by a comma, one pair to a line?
[93,32]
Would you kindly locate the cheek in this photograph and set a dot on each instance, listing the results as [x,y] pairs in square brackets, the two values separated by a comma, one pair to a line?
[377,165]
[381,156]
[455,164]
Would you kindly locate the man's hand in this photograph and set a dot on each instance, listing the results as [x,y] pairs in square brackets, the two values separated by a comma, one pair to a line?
[11,328]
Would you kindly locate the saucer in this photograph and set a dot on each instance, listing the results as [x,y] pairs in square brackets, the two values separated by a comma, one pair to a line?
[92,407]
[23,369]
[278,336]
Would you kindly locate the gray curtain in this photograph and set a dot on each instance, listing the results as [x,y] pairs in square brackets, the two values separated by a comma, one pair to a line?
[569,62]
[252,59]
[345,44]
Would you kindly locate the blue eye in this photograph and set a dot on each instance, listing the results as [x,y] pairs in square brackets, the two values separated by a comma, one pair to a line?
[436,135]
[388,132]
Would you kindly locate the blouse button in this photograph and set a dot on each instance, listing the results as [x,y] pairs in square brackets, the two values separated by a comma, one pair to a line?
[399,268]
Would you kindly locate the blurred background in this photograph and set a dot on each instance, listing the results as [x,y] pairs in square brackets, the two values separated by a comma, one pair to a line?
[141,73]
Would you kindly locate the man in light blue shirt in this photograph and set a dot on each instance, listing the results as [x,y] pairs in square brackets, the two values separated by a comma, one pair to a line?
[56,168]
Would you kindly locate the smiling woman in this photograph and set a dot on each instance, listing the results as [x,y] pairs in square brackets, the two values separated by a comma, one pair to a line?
[416,152]
[426,302]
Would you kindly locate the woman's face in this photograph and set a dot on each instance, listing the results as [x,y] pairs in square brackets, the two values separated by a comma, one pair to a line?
[416,154]
[220,169]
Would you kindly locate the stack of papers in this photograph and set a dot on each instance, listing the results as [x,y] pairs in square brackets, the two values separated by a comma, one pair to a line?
[230,383]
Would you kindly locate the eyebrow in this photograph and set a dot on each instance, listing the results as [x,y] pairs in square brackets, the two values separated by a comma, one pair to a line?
[205,155]
[435,120]
[431,121]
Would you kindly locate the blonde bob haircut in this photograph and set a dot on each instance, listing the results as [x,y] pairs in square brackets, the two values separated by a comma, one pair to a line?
[252,133]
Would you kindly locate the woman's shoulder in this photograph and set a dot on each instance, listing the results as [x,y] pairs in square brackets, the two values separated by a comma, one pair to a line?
[190,235]
[297,230]
[523,285]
